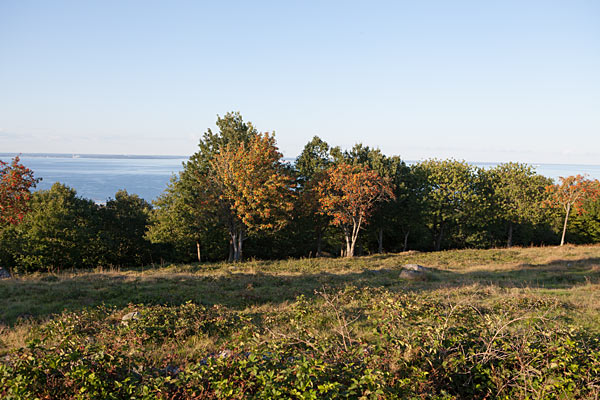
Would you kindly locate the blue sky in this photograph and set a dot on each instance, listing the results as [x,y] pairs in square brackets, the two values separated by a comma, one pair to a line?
[474,80]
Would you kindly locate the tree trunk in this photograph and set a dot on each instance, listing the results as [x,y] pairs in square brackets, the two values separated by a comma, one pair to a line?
[230,257]
[351,244]
[319,241]
[237,238]
[438,239]
[562,240]
[349,247]
[198,251]
[405,241]
[510,235]
[380,240]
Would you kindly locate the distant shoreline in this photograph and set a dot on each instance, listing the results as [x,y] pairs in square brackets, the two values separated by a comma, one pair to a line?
[80,155]
[175,157]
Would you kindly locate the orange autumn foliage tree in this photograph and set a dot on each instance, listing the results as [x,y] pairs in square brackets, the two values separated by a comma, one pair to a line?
[348,194]
[571,193]
[15,182]
[251,183]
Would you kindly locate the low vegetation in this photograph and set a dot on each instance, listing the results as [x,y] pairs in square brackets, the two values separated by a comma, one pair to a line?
[519,323]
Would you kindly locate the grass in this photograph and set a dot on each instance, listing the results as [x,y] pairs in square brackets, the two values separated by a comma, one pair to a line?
[565,271]
[472,305]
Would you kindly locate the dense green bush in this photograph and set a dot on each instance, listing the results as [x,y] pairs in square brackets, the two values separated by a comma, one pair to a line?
[341,344]
[64,231]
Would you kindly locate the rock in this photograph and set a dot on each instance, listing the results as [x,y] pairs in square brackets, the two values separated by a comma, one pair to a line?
[415,267]
[413,275]
[4,274]
[131,316]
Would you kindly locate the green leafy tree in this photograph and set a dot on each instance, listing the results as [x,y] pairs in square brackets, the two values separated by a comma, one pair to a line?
[59,232]
[451,195]
[124,220]
[311,166]
[188,214]
[518,192]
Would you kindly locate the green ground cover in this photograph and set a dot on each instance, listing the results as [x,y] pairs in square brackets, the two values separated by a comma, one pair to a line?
[500,323]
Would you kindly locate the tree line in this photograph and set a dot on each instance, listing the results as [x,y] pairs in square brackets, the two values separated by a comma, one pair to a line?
[237,198]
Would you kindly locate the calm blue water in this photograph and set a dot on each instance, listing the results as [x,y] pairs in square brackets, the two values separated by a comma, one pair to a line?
[98,177]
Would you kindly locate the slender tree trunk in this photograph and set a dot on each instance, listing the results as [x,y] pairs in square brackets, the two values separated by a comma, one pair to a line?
[349,252]
[319,241]
[562,240]
[230,257]
[438,239]
[198,251]
[405,241]
[240,243]
[380,240]
[351,244]
[236,240]
[510,235]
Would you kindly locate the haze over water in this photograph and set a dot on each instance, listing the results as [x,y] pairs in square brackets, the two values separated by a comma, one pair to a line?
[98,177]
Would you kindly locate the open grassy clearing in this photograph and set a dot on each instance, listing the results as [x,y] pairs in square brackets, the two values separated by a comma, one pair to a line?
[517,323]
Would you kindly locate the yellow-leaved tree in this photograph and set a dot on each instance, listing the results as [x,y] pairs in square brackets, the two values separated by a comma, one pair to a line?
[252,184]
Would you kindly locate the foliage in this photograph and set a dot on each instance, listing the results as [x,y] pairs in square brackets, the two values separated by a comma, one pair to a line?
[340,343]
[455,196]
[58,232]
[348,195]
[571,193]
[123,222]
[16,181]
[518,191]
[252,183]
[64,231]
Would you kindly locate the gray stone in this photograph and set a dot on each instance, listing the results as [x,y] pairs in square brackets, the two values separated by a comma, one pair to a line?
[131,316]
[4,274]
[415,267]
[413,275]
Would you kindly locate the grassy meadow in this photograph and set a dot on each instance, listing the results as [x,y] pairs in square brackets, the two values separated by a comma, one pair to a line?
[501,323]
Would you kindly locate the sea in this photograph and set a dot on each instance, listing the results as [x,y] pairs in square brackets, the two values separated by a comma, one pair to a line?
[100,176]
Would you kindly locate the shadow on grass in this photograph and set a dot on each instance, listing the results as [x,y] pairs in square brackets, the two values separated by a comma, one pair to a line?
[39,298]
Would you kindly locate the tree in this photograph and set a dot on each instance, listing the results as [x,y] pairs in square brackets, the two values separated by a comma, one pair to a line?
[60,231]
[348,195]
[16,181]
[311,166]
[518,191]
[571,193]
[451,195]
[184,218]
[124,220]
[189,214]
[250,182]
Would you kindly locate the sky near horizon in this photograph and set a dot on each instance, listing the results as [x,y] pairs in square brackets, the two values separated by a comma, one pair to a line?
[476,80]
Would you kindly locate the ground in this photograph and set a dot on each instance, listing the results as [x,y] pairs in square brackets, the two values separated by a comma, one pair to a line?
[499,323]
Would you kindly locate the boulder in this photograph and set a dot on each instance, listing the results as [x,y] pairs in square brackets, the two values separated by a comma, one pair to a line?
[413,275]
[4,274]
[415,267]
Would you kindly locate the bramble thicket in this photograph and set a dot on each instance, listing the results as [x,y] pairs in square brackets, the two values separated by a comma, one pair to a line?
[236,197]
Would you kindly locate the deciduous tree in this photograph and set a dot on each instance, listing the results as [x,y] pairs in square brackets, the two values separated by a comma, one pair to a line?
[570,194]
[252,183]
[16,181]
[348,194]
[518,192]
